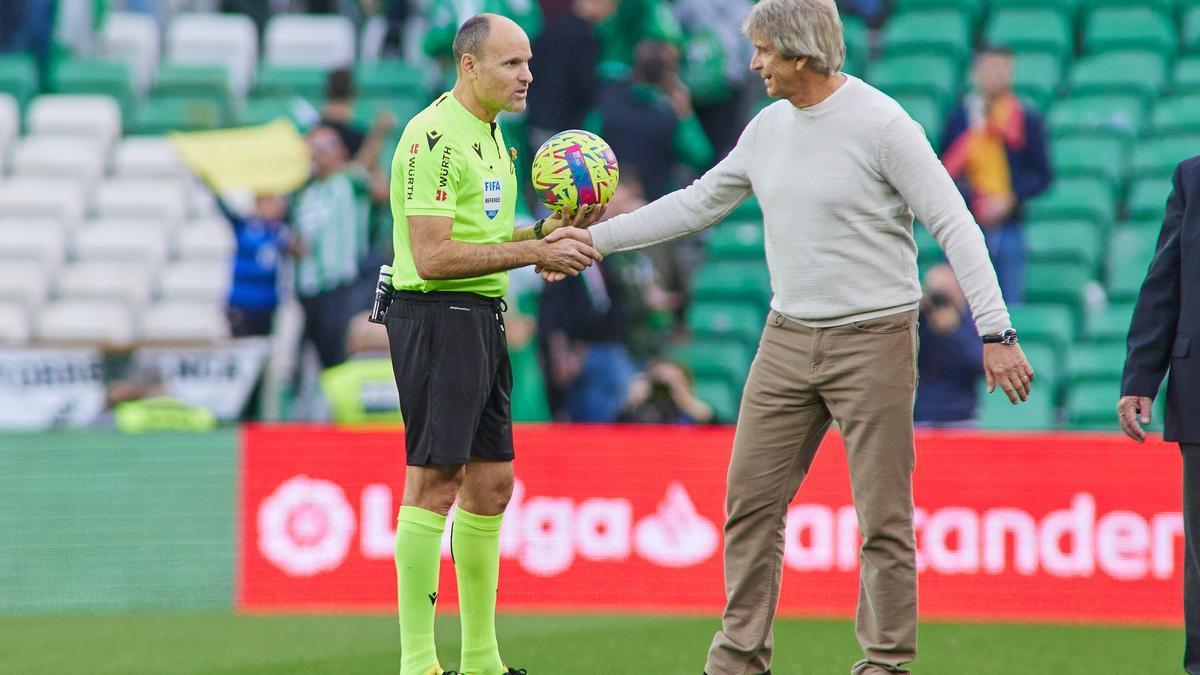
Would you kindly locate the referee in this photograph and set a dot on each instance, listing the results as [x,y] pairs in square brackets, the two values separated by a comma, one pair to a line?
[454,189]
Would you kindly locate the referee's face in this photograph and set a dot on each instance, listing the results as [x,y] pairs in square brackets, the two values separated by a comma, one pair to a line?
[502,76]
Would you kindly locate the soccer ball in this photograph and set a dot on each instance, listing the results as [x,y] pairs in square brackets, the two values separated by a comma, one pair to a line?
[574,168]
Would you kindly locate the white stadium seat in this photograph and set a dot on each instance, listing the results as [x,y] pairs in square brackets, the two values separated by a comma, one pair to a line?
[147,157]
[59,199]
[10,124]
[85,321]
[132,38]
[162,199]
[184,321]
[81,158]
[124,282]
[320,41]
[201,202]
[196,281]
[223,39]
[208,239]
[25,282]
[75,115]
[15,330]
[144,242]
[38,241]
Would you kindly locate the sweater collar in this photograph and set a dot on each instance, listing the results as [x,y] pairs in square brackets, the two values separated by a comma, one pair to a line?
[830,101]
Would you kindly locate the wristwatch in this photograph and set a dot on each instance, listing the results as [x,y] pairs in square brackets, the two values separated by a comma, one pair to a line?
[537,228]
[1008,336]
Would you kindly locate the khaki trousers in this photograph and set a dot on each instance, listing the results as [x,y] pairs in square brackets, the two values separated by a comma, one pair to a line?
[863,375]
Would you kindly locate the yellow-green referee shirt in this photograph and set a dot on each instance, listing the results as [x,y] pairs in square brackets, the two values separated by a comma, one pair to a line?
[451,163]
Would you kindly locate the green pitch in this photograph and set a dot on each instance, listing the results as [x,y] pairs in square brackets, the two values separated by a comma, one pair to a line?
[225,644]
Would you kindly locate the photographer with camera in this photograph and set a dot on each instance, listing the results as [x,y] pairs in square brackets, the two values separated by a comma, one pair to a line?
[949,364]
[664,395]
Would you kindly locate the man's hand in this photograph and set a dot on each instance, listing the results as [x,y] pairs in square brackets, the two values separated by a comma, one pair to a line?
[1005,365]
[569,234]
[993,211]
[1130,409]
[566,251]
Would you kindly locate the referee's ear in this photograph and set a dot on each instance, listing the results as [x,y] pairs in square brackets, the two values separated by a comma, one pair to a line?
[468,65]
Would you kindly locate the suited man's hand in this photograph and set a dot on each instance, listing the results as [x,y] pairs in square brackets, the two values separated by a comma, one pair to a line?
[1131,409]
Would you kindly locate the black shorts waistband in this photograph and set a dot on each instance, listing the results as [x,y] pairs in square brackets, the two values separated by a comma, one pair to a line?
[461,297]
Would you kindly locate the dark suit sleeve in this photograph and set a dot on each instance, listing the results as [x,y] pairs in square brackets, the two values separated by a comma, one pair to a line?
[1035,174]
[1156,315]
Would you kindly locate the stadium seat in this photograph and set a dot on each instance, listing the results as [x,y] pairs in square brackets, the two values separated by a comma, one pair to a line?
[39,241]
[162,199]
[1117,28]
[15,330]
[1095,363]
[716,357]
[973,7]
[1058,282]
[748,210]
[1023,30]
[392,77]
[1088,199]
[59,199]
[208,239]
[1046,324]
[1186,78]
[1165,7]
[85,322]
[75,115]
[201,203]
[747,281]
[927,112]
[926,74]
[723,319]
[79,158]
[1109,324]
[716,392]
[945,32]
[1156,157]
[18,77]
[1078,156]
[95,77]
[858,43]
[285,81]
[10,123]
[132,38]
[230,40]
[928,250]
[1047,367]
[320,41]
[144,241]
[1148,199]
[203,81]
[124,282]
[1036,77]
[147,157]
[529,388]
[735,241]
[1064,7]
[1074,242]
[1120,72]
[1176,115]
[24,282]
[196,281]
[997,412]
[1129,256]
[1093,405]
[184,322]
[1189,33]
[263,109]
[1121,116]
[164,114]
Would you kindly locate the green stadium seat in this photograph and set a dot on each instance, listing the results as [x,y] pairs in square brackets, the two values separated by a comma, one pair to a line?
[1093,405]
[945,32]
[927,247]
[748,210]
[1166,7]
[1117,28]
[1095,362]
[19,77]
[391,78]
[262,110]
[735,241]
[1108,115]
[529,389]
[1058,282]
[1046,363]
[1109,324]
[97,76]
[1129,254]
[718,318]
[1120,72]
[1065,7]
[1176,115]
[404,109]
[712,357]
[733,280]
[1189,33]
[1067,242]
[1087,199]
[276,80]
[858,42]
[1148,199]
[998,413]
[927,112]
[1186,78]
[1051,325]
[926,74]
[972,7]
[716,392]
[1036,77]
[160,115]
[195,81]
[1157,157]
[1031,29]
[1077,156]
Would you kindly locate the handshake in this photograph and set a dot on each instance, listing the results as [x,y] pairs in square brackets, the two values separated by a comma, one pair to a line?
[567,247]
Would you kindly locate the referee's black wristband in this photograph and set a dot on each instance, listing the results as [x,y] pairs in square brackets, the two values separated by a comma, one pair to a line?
[537,228]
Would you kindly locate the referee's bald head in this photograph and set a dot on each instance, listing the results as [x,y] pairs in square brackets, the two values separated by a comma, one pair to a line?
[474,32]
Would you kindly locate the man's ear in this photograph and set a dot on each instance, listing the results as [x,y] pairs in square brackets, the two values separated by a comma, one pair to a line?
[801,62]
[467,64]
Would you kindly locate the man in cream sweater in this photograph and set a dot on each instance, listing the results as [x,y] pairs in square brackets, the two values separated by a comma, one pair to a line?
[839,170]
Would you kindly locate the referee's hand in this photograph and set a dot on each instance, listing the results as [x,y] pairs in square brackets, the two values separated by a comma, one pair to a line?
[586,216]
[566,252]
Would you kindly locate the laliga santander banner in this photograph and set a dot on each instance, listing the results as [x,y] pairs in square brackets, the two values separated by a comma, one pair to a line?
[1078,527]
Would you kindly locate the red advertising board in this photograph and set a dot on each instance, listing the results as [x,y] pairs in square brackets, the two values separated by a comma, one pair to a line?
[1079,527]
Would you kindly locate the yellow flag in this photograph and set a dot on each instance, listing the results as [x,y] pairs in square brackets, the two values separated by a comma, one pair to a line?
[267,159]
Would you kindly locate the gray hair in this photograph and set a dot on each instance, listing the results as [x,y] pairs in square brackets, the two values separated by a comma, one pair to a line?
[471,35]
[800,28]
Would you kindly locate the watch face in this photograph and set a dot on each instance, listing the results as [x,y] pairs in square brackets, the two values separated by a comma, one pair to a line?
[1009,337]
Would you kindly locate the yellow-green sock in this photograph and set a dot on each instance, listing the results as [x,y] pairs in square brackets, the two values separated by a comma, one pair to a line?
[418,561]
[475,541]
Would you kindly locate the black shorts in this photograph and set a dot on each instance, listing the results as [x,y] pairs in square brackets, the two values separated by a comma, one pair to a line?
[450,357]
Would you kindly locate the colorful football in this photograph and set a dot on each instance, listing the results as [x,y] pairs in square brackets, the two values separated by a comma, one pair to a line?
[574,168]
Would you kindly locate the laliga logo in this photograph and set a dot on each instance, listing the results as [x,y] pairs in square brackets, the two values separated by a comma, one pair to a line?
[305,527]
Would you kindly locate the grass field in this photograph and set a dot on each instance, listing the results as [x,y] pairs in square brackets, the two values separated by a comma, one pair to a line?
[221,643]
